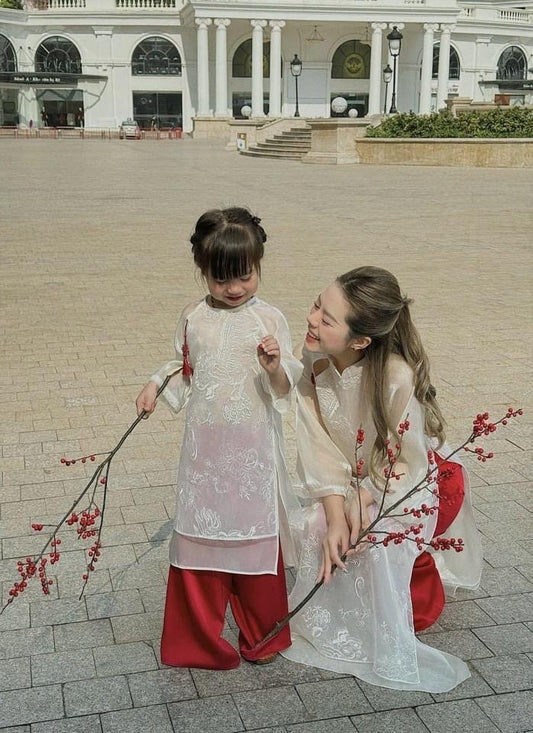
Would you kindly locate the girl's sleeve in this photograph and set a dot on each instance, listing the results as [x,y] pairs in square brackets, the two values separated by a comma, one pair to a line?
[176,393]
[411,466]
[322,468]
[291,366]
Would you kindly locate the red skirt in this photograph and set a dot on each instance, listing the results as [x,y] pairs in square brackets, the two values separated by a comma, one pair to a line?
[427,592]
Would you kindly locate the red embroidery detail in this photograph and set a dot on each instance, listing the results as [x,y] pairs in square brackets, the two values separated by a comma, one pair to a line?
[187,368]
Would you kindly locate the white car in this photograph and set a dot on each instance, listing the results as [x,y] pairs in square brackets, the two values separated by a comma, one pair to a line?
[129,128]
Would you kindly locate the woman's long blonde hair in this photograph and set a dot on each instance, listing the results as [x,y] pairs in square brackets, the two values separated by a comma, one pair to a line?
[379,311]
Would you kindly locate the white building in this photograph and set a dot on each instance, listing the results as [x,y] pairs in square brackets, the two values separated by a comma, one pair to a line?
[98,62]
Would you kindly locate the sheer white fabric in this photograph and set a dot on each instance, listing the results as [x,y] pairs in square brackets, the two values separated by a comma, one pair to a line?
[234,493]
[361,623]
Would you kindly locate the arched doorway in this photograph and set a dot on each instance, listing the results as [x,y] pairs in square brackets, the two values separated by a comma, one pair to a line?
[8,97]
[350,76]
[59,106]
[241,72]
[155,108]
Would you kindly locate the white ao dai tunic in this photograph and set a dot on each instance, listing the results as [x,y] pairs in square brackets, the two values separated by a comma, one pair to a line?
[234,492]
[361,622]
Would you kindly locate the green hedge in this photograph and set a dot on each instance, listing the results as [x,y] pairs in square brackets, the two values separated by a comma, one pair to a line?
[500,122]
[12,4]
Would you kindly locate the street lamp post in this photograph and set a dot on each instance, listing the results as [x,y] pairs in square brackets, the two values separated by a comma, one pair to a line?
[296,70]
[387,76]
[395,44]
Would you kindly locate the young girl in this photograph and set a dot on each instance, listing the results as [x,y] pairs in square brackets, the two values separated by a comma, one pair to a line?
[234,493]
[365,368]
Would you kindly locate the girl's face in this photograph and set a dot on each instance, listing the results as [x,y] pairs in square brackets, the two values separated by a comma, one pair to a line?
[235,292]
[328,332]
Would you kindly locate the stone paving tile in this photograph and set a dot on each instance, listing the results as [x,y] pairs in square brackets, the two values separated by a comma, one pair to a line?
[16,616]
[96,696]
[20,707]
[161,686]
[77,664]
[140,720]
[85,724]
[338,725]
[333,698]
[463,615]
[120,603]
[506,638]
[512,713]
[124,659]
[153,598]
[275,706]
[382,698]
[505,581]
[216,715]
[507,609]
[138,627]
[399,721]
[506,674]
[463,644]
[60,611]
[26,642]
[85,634]
[15,673]
[456,717]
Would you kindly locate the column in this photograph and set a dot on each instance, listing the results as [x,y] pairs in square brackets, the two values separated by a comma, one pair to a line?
[221,108]
[202,40]
[275,68]
[374,97]
[424,107]
[257,67]
[444,65]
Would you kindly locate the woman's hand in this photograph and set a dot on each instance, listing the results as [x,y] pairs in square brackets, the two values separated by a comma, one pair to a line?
[357,515]
[147,399]
[337,538]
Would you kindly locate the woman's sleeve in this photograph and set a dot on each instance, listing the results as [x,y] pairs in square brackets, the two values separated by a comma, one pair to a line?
[176,393]
[322,468]
[291,366]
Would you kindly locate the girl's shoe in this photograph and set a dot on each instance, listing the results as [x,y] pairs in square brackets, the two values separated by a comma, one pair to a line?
[264,660]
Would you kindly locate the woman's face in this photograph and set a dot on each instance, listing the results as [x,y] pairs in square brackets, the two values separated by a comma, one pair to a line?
[328,332]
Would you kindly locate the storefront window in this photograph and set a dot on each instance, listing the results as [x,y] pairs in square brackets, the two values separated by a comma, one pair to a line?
[351,61]
[157,56]
[455,66]
[244,99]
[512,64]
[8,60]
[58,55]
[157,109]
[61,107]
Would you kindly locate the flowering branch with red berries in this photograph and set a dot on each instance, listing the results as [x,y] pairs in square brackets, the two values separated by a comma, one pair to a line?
[89,522]
[481,426]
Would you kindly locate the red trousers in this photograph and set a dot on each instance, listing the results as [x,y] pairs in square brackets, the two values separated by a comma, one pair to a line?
[427,592]
[195,612]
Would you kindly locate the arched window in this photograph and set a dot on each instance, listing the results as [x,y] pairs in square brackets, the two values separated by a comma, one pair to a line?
[242,60]
[512,64]
[58,55]
[156,55]
[8,59]
[351,61]
[454,71]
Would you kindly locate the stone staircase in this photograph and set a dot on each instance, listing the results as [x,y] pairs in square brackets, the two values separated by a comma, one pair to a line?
[291,144]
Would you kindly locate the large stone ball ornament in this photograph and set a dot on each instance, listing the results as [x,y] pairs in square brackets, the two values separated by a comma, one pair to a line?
[339,105]
[353,113]
[246,110]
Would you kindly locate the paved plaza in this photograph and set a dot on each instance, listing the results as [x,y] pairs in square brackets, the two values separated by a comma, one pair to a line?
[95,269]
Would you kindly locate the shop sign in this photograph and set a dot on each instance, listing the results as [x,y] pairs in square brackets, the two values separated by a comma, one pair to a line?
[38,77]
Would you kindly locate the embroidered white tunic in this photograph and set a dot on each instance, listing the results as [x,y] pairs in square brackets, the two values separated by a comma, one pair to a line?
[361,622]
[234,492]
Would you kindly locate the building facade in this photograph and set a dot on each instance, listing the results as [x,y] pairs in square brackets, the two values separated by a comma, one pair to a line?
[164,62]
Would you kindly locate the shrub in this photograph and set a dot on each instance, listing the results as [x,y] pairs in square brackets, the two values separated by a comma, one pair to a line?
[500,122]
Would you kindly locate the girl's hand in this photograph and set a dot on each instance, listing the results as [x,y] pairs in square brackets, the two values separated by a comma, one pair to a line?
[334,544]
[147,399]
[269,354]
